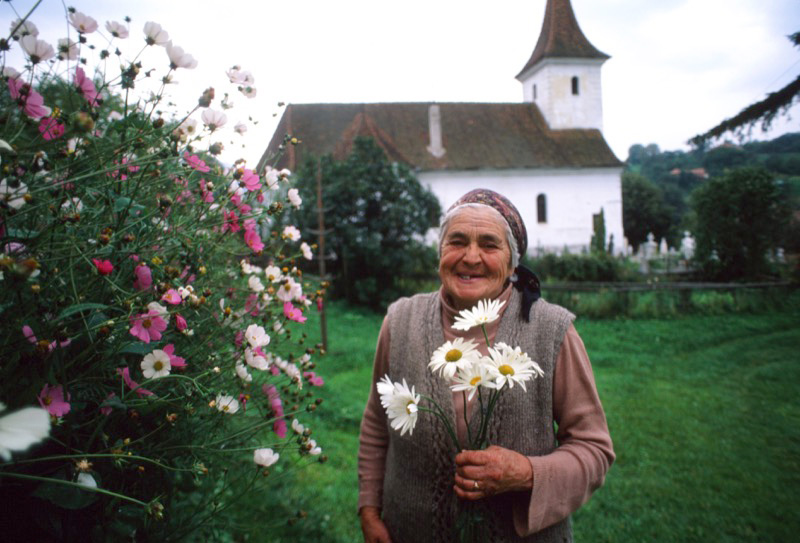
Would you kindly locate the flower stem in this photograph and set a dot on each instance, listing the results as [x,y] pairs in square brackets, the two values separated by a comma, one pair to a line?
[70,483]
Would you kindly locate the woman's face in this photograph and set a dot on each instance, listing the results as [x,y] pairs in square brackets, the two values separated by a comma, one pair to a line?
[476,258]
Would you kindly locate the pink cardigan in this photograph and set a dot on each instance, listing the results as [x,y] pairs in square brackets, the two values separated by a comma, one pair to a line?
[562,480]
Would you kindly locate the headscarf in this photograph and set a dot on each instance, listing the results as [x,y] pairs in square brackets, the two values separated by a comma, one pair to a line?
[523,278]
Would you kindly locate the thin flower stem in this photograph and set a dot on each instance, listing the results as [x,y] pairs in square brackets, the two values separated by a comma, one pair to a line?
[76,485]
[98,455]
[486,335]
[446,422]
[466,421]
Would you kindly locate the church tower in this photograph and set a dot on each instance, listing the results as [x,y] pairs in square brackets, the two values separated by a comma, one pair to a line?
[562,77]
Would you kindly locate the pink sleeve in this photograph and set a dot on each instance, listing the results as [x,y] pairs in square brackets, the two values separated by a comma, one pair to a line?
[374,435]
[565,479]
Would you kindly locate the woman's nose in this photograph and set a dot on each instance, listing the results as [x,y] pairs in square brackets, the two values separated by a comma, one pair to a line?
[472,254]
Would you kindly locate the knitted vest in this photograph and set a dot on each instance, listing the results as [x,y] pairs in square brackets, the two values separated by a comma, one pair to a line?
[419,504]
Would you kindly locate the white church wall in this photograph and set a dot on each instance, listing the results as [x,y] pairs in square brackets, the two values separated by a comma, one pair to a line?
[560,107]
[573,196]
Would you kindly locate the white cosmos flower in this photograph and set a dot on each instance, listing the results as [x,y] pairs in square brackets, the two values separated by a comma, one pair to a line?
[291,232]
[21,429]
[73,204]
[272,176]
[13,196]
[248,91]
[67,49]
[244,375]
[452,356]
[86,480]
[27,28]
[256,336]
[294,198]
[213,119]
[273,274]
[265,457]
[473,376]
[297,428]
[156,364]
[509,366]
[255,360]
[163,312]
[82,22]
[178,58]
[238,76]
[255,283]
[227,404]
[314,449]
[402,407]
[289,291]
[306,249]
[118,30]
[485,312]
[36,49]
[240,128]
[154,35]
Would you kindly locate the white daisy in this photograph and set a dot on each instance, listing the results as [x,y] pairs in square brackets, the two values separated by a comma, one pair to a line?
[294,198]
[289,291]
[313,448]
[156,364]
[178,58]
[256,336]
[306,250]
[509,366]
[273,274]
[402,407]
[213,119]
[244,375]
[154,35]
[297,428]
[265,457]
[255,283]
[36,49]
[21,429]
[82,22]
[67,49]
[118,30]
[227,404]
[291,232]
[452,356]
[20,29]
[473,376]
[13,196]
[485,312]
[255,360]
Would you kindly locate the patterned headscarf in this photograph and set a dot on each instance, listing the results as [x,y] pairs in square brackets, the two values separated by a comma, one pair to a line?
[504,206]
[524,279]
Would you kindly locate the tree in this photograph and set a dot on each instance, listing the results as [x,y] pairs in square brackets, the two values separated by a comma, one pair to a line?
[376,213]
[643,210]
[739,218]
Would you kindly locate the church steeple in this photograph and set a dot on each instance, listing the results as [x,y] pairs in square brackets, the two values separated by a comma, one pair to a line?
[562,76]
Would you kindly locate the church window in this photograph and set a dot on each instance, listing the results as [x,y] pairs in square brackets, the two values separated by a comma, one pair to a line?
[575,85]
[534,91]
[541,208]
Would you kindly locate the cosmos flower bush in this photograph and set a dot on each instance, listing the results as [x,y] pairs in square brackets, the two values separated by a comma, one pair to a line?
[154,366]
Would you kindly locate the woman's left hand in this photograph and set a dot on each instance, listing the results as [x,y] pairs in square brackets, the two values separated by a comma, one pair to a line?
[495,470]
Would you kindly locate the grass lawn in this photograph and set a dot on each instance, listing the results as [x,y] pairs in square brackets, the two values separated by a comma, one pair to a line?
[703,412]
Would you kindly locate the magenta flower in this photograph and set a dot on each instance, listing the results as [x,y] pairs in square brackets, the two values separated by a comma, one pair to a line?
[148,326]
[104,267]
[52,400]
[105,409]
[172,297]
[180,323]
[208,196]
[313,379]
[231,221]
[86,87]
[250,180]
[196,163]
[174,361]
[133,385]
[30,102]
[253,240]
[292,313]
[279,426]
[51,129]
[144,278]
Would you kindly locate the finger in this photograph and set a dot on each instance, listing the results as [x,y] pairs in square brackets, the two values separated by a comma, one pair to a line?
[468,494]
[470,457]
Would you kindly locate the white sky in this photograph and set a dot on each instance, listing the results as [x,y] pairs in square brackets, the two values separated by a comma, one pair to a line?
[677,67]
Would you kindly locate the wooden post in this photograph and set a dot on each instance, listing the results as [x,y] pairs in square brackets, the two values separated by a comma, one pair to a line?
[321,253]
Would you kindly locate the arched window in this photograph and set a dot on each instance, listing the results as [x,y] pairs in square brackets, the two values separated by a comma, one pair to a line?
[575,85]
[534,92]
[541,208]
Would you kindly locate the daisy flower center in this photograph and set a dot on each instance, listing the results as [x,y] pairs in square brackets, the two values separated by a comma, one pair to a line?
[158,365]
[475,380]
[453,355]
[505,369]
[48,400]
[147,323]
[225,407]
[411,408]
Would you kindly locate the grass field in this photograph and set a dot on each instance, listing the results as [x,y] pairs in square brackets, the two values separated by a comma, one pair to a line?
[703,411]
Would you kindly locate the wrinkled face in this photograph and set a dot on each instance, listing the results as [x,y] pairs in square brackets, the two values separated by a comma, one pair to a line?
[475,258]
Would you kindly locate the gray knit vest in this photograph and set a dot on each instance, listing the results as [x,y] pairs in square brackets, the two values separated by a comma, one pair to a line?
[419,504]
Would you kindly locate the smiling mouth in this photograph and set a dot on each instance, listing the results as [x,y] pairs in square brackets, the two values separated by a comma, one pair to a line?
[468,277]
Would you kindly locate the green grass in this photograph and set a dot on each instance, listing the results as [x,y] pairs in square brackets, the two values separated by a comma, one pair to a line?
[703,412]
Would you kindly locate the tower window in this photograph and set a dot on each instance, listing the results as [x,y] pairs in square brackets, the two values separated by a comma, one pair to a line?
[541,208]
[575,85]
[534,91]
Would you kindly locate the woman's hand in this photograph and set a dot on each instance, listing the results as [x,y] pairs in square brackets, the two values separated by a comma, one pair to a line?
[372,526]
[495,470]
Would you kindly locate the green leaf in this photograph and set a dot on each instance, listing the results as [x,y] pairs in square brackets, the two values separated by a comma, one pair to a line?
[66,496]
[123,202]
[136,348]
[77,308]
[21,233]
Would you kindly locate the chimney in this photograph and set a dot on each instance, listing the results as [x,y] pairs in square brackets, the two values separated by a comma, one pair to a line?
[435,131]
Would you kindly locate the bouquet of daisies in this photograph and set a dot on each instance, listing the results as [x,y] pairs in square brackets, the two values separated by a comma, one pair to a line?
[469,371]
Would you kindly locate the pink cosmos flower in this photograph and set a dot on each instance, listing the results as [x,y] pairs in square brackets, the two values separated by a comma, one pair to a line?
[30,101]
[133,385]
[292,313]
[51,129]
[243,401]
[180,323]
[86,87]
[52,400]
[238,340]
[208,196]
[250,180]
[27,331]
[122,173]
[172,297]
[231,221]
[104,267]
[279,427]
[196,163]
[320,304]
[313,379]
[148,326]
[253,240]
[144,278]
[105,409]
[174,361]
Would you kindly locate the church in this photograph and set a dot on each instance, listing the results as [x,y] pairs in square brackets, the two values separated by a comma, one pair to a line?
[547,154]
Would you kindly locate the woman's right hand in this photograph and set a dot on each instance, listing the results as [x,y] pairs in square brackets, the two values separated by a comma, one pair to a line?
[372,526]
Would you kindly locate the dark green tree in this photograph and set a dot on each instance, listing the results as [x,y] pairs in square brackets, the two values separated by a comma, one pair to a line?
[739,218]
[376,214]
[643,210]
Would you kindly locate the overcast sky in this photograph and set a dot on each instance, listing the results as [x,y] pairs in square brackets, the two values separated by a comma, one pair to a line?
[677,67]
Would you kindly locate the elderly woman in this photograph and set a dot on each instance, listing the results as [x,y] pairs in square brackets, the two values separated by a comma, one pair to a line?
[531,478]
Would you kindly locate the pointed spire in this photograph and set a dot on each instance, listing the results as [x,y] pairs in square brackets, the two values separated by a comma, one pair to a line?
[561,36]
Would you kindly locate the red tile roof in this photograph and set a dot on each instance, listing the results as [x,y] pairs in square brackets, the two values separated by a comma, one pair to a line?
[561,37]
[474,135]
